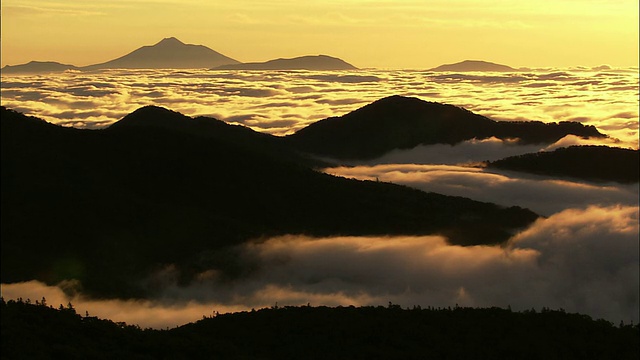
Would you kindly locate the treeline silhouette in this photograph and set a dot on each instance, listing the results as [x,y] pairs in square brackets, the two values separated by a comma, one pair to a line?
[31,331]
[110,207]
[596,163]
[399,122]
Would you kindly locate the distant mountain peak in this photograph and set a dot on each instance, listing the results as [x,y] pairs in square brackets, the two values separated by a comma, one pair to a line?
[169,41]
[474,65]
[169,53]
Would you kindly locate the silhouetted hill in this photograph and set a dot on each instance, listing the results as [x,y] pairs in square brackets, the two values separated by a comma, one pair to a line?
[474,65]
[41,332]
[398,122]
[318,62]
[210,128]
[595,163]
[170,53]
[109,206]
[37,67]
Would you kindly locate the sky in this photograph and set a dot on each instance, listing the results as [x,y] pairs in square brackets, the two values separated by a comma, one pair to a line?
[399,34]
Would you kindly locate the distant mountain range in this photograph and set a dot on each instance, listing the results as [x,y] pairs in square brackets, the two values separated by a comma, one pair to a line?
[171,53]
[38,67]
[107,207]
[319,62]
[398,122]
[474,65]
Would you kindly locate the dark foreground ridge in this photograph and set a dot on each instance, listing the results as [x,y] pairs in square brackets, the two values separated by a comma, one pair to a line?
[109,207]
[41,332]
[399,122]
[595,163]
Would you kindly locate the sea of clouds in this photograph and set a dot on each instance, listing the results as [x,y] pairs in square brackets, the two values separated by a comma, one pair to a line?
[281,102]
[582,255]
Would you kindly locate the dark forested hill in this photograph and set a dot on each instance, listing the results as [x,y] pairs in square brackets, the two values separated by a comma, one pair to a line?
[41,332]
[398,122]
[106,207]
[596,163]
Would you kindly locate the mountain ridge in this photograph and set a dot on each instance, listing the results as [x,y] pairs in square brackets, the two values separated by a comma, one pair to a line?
[399,122]
[38,67]
[587,162]
[145,197]
[171,53]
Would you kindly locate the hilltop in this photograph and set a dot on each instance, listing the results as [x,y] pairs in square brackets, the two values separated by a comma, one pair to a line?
[399,122]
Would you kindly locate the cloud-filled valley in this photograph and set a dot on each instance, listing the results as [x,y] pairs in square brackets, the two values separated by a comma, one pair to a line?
[582,255]
[581,260]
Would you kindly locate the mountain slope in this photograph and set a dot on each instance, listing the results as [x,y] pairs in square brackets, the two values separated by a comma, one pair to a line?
[37,67]
[318,62]
[398,122]
[595,163]
[170,53]
[474,65]
[108,207]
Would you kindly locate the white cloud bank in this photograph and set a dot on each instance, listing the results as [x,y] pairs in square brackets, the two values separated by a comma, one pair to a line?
[582,260]
[541,194]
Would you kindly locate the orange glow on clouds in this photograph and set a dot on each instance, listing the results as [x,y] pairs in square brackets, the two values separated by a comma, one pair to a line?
[582,260]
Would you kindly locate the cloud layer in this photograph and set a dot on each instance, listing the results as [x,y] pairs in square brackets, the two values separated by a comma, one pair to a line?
[543,195]
[281,102]
[581,260]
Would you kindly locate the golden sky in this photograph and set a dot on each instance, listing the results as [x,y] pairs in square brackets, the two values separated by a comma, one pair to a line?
[376,33]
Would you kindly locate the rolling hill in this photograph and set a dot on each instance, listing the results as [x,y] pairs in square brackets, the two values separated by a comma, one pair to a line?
[594,163]
[399,122]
